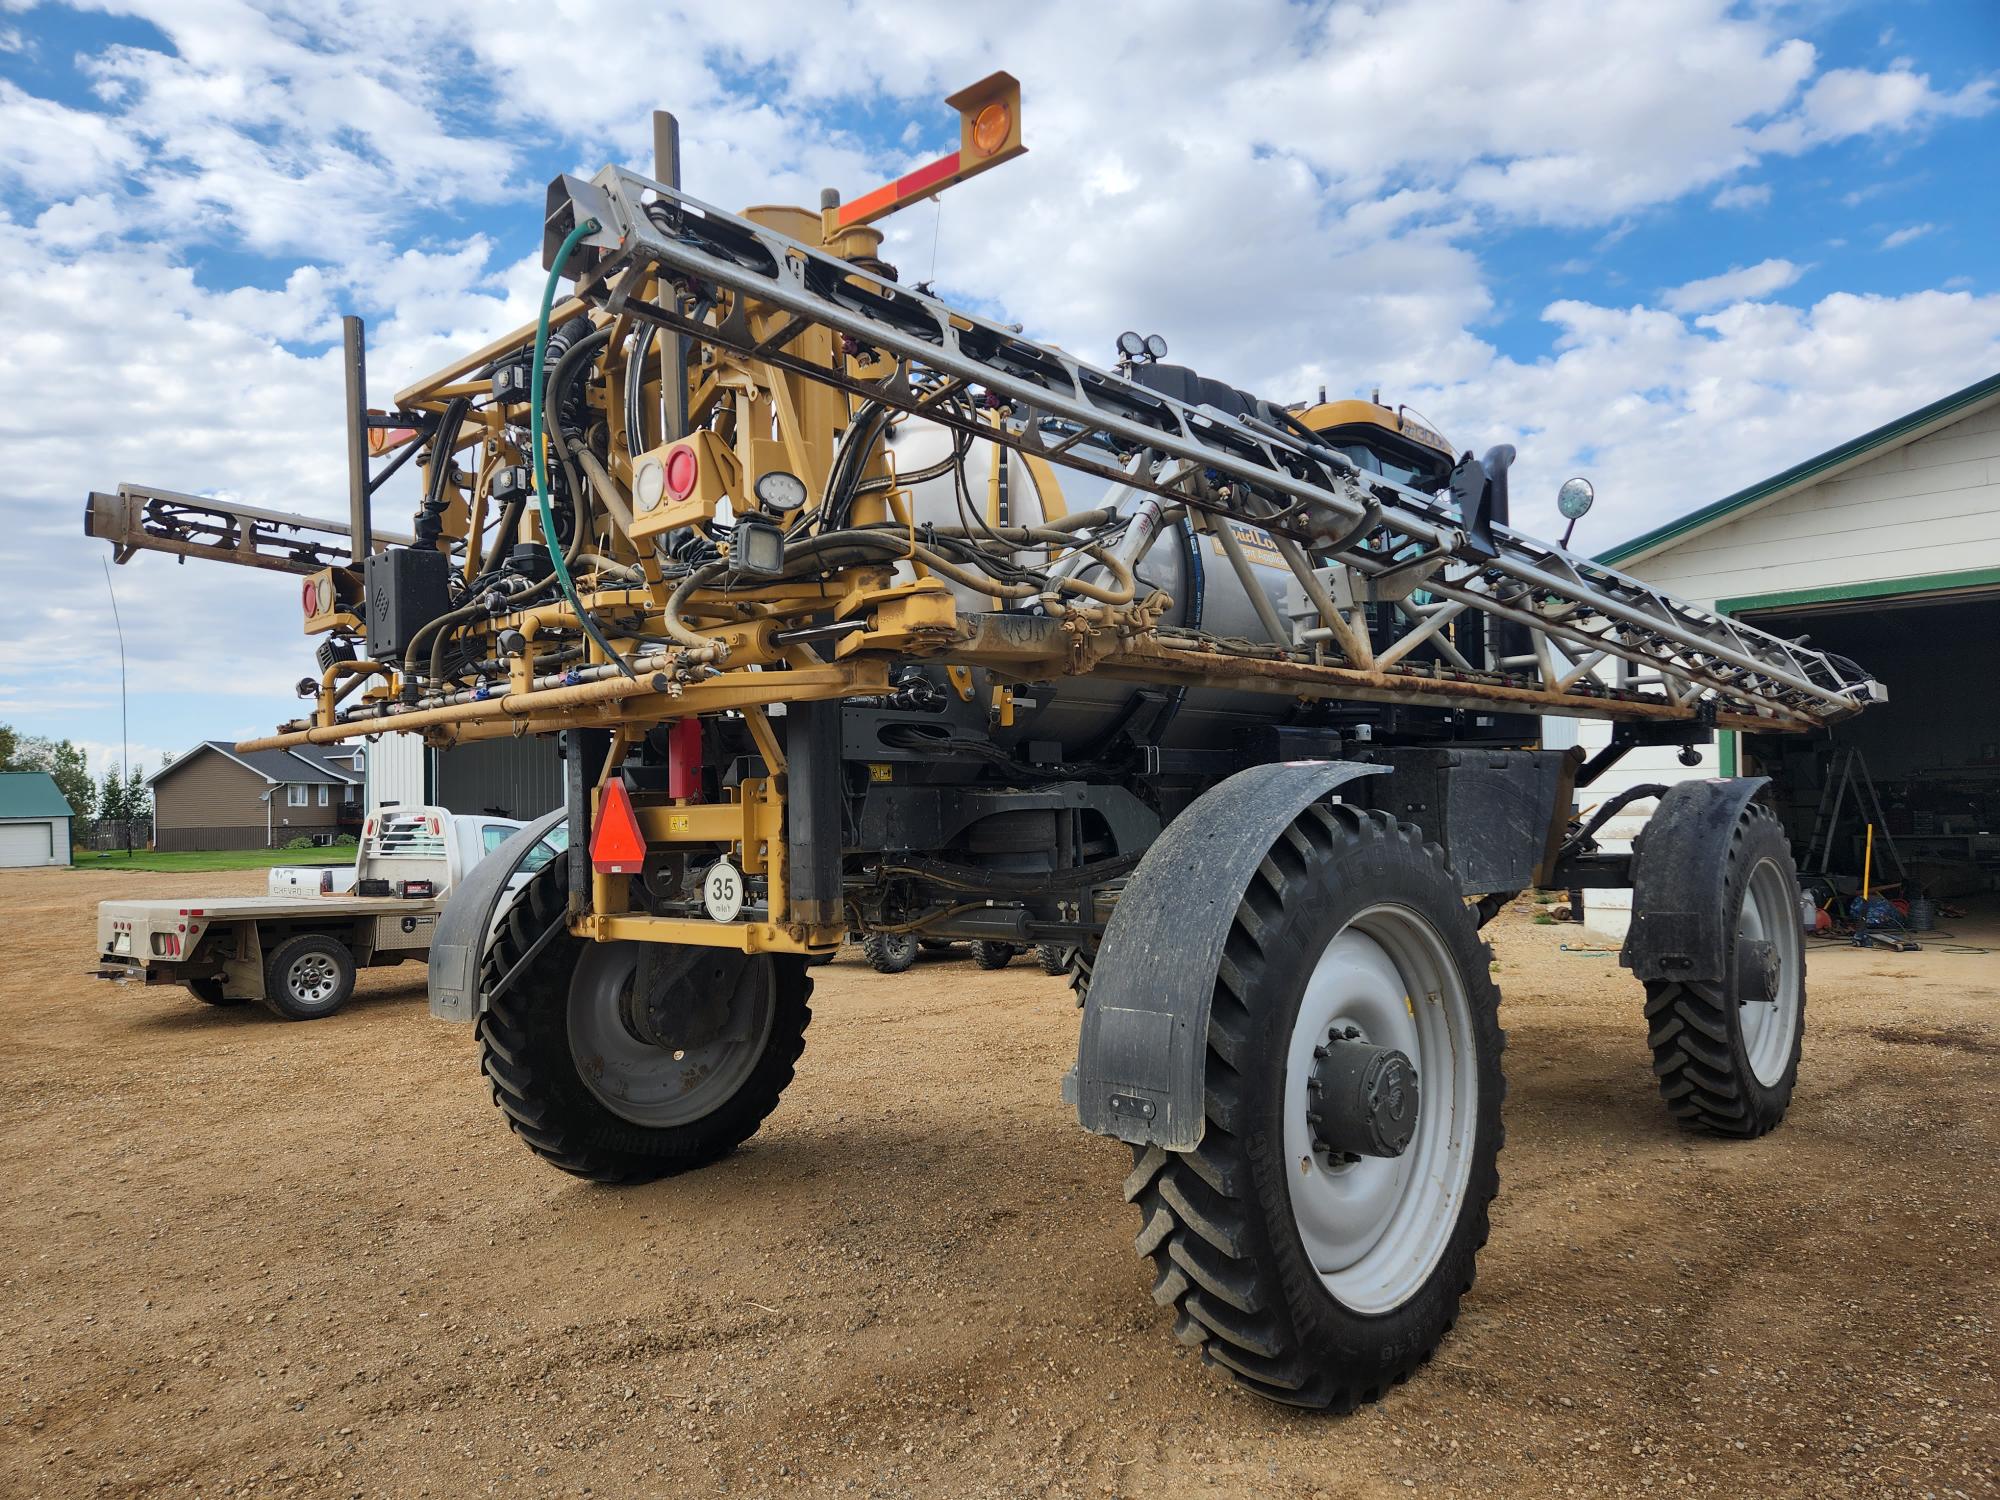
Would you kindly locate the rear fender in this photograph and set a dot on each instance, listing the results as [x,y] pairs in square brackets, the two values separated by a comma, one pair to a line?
[1679,928]
[1142,1055]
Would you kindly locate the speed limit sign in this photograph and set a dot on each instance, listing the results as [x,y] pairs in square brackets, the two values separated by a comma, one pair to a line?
[722,891]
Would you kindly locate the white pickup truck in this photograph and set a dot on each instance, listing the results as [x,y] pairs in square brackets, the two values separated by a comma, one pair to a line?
[297,949]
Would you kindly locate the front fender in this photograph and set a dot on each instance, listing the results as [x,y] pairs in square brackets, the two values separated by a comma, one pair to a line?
[459,941]
[1142,1055]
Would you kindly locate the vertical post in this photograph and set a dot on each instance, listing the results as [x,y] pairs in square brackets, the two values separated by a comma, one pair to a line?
[354,361]
[813,813]
[674,347]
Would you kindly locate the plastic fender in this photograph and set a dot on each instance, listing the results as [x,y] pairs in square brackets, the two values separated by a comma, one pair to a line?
[1678,864]
[1141,1057]
[459,941]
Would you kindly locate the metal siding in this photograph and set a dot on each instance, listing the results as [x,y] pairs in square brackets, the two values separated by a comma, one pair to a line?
[514,778]
[396,766]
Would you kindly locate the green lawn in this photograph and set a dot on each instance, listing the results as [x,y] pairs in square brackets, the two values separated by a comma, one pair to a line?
[211,859]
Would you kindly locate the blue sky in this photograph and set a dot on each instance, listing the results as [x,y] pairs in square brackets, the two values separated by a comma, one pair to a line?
[1674,244]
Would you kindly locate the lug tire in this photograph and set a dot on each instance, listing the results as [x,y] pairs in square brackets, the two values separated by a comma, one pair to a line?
[320,954]
[889,952]
[1053,957]
[1218,1222]
[992,955]
[524,1051]
[209,992]
[1696,1030]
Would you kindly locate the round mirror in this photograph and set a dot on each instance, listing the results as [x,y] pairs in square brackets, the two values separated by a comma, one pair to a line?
[1574,498]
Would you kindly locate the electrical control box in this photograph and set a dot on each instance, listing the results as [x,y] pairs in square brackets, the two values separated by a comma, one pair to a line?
[404,590]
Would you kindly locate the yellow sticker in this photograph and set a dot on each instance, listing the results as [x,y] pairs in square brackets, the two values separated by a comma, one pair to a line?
[677,823]
[879,770]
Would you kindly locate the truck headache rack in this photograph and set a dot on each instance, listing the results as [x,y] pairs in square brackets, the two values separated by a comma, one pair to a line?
[1570,614]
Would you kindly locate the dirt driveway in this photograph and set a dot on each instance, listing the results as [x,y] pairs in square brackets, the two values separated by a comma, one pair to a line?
[244,1257]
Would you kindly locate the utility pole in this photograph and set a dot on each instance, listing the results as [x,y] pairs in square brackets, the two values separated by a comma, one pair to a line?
[124,718]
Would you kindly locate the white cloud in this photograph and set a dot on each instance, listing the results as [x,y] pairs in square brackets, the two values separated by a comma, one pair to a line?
[1743,195]
[1286,192]
[1899,237]
[1738,283]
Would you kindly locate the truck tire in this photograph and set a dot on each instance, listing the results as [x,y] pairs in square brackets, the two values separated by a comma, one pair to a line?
[308,977]
[991,955]
[1728,1061]
[1053,957]
[585,1093]
[209,992]
[1309,1273]
[889,952]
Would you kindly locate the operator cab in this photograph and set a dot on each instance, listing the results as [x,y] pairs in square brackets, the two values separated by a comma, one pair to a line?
[1381,441]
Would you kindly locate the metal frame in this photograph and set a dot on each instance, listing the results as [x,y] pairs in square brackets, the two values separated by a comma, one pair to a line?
[1305,496]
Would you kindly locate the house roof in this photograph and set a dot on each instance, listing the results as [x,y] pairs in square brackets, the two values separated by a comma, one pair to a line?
[304,764]
[32,794]
[1905,429]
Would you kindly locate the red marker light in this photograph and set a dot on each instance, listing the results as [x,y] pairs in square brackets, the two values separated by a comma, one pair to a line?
[683,469]
[617,847]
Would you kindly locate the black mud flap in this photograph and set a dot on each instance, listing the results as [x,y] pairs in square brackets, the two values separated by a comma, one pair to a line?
[459,941]
[1144,1044]
[1678,866]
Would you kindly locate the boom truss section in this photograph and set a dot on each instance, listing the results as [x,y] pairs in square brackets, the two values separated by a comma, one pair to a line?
[1551,619]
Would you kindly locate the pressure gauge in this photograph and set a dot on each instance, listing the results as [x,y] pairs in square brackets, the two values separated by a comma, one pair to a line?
[780,491]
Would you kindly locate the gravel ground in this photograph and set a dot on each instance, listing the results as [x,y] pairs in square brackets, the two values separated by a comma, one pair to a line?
[243,1257]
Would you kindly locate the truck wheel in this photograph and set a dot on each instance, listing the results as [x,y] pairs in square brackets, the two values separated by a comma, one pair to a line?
[1317,1241]
[579,1083]
[990,955]
[309,976]
[209,992]
[1727,1055]
[889,952]
[1053,957]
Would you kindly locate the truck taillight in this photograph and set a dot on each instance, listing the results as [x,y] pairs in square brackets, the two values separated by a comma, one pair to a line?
[418,888]
[326,882]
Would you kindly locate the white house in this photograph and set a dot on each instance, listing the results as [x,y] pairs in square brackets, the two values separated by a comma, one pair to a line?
[1885,550]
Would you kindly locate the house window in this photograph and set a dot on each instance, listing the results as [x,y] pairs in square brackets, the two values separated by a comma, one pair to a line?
[322,794]
[295,795]
[347,795]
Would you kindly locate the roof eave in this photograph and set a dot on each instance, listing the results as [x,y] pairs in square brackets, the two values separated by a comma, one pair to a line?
[1905,429]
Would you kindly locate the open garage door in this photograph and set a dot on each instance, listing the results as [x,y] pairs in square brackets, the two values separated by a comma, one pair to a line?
[1931,757]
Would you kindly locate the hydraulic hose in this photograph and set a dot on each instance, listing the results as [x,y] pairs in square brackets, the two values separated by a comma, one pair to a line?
[568,586]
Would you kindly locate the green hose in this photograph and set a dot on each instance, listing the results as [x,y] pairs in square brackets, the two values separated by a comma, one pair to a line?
[570,242]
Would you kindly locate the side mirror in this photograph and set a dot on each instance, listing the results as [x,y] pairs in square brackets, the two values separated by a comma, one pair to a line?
[1574,500]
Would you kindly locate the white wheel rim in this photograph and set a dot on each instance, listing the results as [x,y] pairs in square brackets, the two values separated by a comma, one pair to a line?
[1771,1027]
[1376,1229]
[312,978]
[659,1087]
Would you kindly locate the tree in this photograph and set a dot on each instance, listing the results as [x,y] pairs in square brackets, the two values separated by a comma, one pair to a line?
[61,759]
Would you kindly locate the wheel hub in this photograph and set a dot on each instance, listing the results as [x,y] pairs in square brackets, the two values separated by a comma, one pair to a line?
[1361,1100]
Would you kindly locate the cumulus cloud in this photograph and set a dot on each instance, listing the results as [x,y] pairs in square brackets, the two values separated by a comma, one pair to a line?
[1743,195]
[1285,192]
[1736,284]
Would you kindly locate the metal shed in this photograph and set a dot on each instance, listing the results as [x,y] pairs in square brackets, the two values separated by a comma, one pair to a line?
[34,820]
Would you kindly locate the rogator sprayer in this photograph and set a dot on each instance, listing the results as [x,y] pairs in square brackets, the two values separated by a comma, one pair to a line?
[856,611]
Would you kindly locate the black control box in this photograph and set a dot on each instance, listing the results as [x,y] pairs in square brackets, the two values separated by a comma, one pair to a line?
[404,590]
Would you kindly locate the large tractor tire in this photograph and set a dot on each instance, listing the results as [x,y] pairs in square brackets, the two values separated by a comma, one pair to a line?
[209,992]
[1727,1053]
[1315,1244]
[308,977]
[1053,957]
[889,952]
[989,955]
[604,1085]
